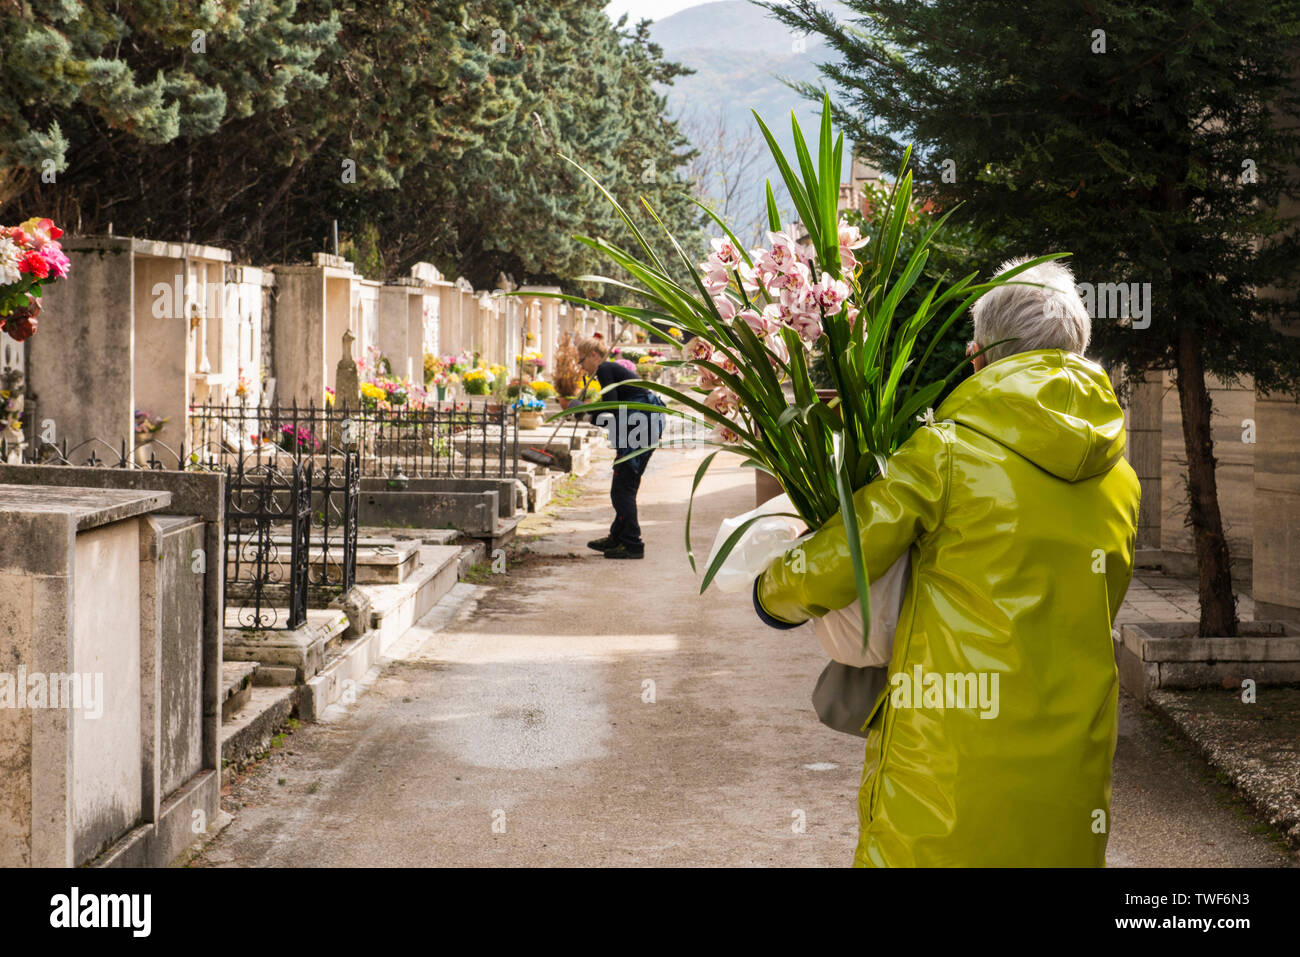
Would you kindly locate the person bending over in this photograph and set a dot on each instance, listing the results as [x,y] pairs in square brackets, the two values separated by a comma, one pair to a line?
[631,430]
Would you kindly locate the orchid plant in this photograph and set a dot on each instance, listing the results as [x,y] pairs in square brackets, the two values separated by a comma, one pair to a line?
[754,319]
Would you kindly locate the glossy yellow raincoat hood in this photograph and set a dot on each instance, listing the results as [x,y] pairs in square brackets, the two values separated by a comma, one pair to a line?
[992,744]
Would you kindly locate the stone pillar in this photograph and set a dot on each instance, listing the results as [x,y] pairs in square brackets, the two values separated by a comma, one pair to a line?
[1143,450]
[70,601]
[534,336]
[1275,583]
[394,328]
[298,336]
[85,336]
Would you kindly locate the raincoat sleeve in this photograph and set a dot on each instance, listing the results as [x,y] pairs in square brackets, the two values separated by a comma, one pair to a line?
[893,511]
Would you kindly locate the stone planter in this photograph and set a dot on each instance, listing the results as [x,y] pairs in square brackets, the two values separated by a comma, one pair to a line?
[766,488]
[530,420]
[1169,654]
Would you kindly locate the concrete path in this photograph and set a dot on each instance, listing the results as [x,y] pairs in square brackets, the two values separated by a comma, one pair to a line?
[579,711]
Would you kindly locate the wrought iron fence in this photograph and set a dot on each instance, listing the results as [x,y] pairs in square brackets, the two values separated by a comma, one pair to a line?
[389,442]
[265,521]
[335,508]
[97,453]
[261,500]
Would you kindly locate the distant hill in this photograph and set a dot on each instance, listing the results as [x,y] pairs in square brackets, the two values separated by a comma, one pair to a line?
[738,52]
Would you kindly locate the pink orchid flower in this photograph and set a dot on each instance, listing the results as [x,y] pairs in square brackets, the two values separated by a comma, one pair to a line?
[784,250]
[851,237]
[776,345]
[725,253]
[793,277]
[809,327]
[698,349]
[714,278]
[757,321]
[721,400]
[830,294]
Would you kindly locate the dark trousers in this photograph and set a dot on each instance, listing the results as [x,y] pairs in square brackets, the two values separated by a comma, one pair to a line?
[622,492]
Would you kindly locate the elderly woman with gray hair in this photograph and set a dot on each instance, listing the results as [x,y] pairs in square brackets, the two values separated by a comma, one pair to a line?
[1020,515]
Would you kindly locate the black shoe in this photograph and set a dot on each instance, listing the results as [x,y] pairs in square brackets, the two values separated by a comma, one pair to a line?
[622,550]
[602,544]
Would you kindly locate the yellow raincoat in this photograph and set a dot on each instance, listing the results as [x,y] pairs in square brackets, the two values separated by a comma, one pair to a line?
[992,743]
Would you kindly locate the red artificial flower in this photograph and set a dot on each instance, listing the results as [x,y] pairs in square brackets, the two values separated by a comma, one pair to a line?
[35,264]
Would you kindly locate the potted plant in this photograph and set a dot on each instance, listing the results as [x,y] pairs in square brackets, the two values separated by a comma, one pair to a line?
[147,429]
[500,386]
[530,411]
[478,381]
[295,440]
[568,376]
[438,375]
[532,363]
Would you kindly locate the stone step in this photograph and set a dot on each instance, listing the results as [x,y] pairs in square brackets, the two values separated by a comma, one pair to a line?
[535,478]
[303,649]
[275,676]
[249,732]
[472,551]
[580,461]
[502,535]
[476,552]
[394,610]
[424,536]
[378,559]
[236,686]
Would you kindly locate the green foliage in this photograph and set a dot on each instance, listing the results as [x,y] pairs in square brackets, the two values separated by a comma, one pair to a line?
[1134,158]
[955,250]
[78,80]
[365,251]
[428,130]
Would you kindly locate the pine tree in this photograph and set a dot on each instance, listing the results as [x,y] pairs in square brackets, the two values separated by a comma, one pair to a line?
[1156,141]
[81,80]
[441,127]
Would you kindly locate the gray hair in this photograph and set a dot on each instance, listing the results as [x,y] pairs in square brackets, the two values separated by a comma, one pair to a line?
[1049,315]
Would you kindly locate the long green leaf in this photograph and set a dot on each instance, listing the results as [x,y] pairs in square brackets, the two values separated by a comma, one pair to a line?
[773,214]
[852,534]
[690,505]
[798,195]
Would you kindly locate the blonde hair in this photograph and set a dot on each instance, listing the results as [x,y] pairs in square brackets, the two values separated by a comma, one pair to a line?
[588,346]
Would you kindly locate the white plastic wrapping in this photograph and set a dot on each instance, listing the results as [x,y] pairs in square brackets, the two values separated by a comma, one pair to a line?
[840,631]
[761,543]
